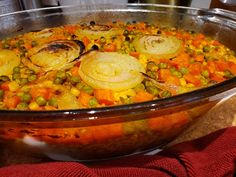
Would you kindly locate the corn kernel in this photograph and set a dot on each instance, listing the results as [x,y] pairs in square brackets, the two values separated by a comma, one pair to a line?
[13,86]
[33,106]
[75,91]
[182,82]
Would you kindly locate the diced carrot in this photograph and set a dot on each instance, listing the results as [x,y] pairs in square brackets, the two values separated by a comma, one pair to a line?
[48,107]
[5,86]
[111,47]
[134,54]
[11,101]
[216,43]
[142,96]
[74,71]
[196,42]
[70,29]
[86,41]
[199,58]
[173,80]
[222,65]
[104,96]
[181,60]
[130,27]
[195,69]
[84,98]
[217,77]
[141,25]
[47,93]
[211,67]
[200,36]
[27,46]
[164,73]
[192,79]
[232,68]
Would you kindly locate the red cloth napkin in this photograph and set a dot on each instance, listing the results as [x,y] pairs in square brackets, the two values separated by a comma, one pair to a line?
[212,155]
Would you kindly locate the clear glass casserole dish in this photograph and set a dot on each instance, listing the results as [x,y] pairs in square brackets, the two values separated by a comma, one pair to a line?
[101,133]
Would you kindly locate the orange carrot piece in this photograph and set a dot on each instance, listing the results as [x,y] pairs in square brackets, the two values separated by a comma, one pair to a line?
[195,69]
[86,41]
[74,71]
[47,93]
[104,96]
[164,74]
[111,47]
[5,86]
[173,80]
[192,79]
[232,68]
[11,101]
[134,54]
[84,98]
[142,96]
[217,78]
[199,58]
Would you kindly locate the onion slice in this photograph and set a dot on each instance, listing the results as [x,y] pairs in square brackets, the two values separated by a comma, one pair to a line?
[54,55]
[97,31]
[110,70]
[158,46]
[8,60]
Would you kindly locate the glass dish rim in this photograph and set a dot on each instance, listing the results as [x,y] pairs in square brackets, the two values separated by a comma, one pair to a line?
[159,104]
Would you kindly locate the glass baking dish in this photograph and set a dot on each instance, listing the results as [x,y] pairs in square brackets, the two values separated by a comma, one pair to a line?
[103,133]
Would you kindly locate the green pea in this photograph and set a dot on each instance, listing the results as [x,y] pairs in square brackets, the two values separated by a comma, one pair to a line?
[172,69]
[206,48]
[5,45]
[21,42]
[102,40]
[41,101]
[26,97]
[92,102]
[151,74]
[184,70]
[23,81]
[87,89]
[153,90]
[80,85]
[32,77]
[29,71]
[126,32]
[165,94]
[152,66]
[22,106]
[162,65]
[1,94]
[58,80]
[148,83]
[75,79]
[177,74]
[34,43]
[61,74]
[52,102]
[16,76]
[16,69]
[205,73]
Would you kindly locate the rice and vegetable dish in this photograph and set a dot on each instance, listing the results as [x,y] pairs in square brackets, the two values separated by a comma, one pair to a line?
[94,65]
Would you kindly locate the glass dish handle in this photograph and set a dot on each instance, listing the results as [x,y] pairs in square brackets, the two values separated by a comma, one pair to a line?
[226,13]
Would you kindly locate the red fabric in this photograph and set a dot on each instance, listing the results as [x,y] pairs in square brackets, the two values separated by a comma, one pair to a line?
[212,155]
